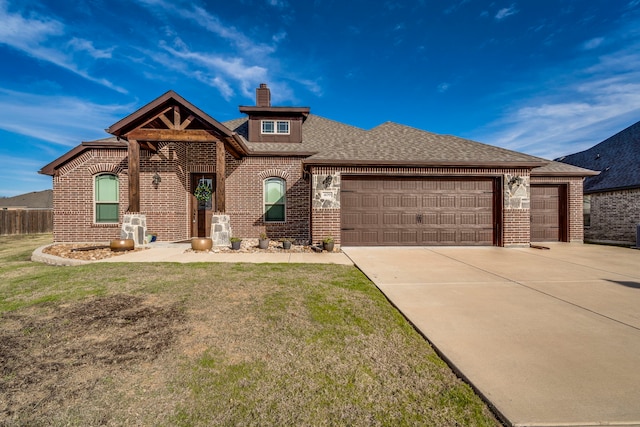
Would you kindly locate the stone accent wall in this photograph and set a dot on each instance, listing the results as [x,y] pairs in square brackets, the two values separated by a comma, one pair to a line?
[614,217]
[134,226]
[517,194]
[221,230]
[326,191]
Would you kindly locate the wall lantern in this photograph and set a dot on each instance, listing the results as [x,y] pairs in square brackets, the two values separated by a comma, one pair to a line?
[156,180]
[516,180]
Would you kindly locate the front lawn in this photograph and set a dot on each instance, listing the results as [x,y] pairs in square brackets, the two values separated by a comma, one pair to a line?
[213,344]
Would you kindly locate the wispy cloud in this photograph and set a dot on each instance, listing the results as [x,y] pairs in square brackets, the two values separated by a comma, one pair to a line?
[217,70]
[42,38]
[573,117]
[593,43]
[64,121]
[443,87]
[506,12]
[455,6]
[238,67]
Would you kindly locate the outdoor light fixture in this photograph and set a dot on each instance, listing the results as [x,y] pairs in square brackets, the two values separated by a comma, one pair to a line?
[156,180]
[516,180]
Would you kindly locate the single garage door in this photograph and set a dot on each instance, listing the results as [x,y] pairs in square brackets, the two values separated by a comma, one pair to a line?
[548,213]
[394,211]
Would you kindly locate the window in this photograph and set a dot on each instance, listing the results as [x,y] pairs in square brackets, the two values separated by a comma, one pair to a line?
[274,199]
[280,127]
[106,198]
[586,210]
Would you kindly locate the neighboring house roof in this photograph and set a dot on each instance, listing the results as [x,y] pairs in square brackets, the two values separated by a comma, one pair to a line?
[35,200]
[618,159]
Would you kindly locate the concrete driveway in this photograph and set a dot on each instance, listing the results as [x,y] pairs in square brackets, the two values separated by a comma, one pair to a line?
[549,337]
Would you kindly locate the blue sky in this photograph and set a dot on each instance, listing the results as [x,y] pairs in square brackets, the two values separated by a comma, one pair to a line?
[545,77]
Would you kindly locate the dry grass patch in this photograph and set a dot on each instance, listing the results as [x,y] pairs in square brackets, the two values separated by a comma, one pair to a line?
[216,344]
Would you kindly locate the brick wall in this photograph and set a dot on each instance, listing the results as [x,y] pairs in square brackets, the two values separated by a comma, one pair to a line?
[73,211]
[614,216]
[245,206]
[168,206]
[516,225]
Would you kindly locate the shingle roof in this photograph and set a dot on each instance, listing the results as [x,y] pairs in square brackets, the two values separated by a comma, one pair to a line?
[618,159]
[558,168]
[389,143]
[34,200]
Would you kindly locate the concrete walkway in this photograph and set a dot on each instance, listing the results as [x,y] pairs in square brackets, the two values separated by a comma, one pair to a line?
[548,337]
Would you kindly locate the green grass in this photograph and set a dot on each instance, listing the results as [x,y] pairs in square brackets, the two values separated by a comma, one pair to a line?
[266,344]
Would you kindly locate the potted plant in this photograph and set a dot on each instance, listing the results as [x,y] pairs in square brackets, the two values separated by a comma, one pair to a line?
[263,241]
[235,243]
[327,244]
[286,243]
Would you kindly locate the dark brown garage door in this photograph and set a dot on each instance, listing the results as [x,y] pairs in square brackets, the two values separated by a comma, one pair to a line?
[547,213]
[393,211]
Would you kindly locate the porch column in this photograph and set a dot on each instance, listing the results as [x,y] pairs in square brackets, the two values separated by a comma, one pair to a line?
[220,176]
[134,176]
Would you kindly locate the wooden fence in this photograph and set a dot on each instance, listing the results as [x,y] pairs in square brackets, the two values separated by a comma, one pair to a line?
[22,221]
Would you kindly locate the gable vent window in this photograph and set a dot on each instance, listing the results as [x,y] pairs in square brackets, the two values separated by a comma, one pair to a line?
[278,127]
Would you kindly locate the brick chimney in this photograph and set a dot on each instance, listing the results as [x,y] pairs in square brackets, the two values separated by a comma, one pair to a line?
[263,96]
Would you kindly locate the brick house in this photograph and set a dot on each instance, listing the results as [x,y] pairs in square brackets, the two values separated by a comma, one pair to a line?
[612,198]
[289,173]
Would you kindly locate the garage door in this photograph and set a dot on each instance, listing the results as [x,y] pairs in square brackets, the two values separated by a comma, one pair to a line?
[393,211]
[547,213]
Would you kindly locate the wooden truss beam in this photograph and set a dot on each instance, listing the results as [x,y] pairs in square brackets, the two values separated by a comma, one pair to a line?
[172,135]
[195,135]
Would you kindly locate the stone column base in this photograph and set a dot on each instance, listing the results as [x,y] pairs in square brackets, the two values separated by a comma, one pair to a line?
[134,226]
[220,230]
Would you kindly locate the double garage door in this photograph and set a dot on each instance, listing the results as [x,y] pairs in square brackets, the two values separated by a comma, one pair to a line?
[388,211]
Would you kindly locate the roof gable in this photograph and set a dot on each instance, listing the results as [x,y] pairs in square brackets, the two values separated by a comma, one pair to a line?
[170,117]
[168,110]
[617,158]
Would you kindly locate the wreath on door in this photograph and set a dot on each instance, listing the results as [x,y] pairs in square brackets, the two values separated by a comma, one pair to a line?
[203,192]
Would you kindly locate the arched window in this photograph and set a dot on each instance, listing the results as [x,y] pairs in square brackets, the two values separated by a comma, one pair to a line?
[106,198]
[274,199]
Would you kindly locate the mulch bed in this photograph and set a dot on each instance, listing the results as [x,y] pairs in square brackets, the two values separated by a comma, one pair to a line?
[97,251]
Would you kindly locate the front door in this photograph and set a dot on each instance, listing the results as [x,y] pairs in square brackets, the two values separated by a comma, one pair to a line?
[201,210]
